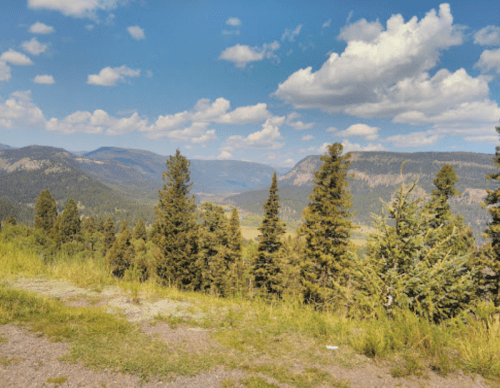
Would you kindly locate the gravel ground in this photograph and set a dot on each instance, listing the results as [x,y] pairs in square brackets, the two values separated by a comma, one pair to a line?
[28,360]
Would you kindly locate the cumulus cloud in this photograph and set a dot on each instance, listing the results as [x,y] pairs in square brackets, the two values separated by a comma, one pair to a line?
[291,34]
[366,71]
[297,124]
[267,138]
[97,122]
[110,76]
[362,31]
[5,74]
[414,139]
[233,21]
[40,28]
[359,130]
[44,79]
[136,32]
[34,47]
[15,58]
[350,147]
[224,155]
[245,115]
[307,138]
[19,112]
[241,55]
[488,36]
[75,8]
[489,61]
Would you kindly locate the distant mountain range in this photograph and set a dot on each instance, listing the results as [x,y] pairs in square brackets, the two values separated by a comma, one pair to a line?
[125,182]
[4,147]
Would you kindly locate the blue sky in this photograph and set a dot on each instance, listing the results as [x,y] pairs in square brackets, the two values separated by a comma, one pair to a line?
[265,81]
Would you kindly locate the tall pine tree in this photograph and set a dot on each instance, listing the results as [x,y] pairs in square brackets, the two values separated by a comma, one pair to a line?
[267,266]
[45,211]
[140,230]
[175,229]
[235,240]
[491,258]
[325,269]
[108,235]
[69,228]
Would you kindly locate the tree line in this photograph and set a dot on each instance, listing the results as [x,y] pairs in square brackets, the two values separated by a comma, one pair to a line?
[420,257]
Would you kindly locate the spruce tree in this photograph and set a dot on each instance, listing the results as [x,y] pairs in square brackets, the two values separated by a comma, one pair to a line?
[45,211]
[445,189]
[70,222]
[213,246]
[407,267]
[325,269]
[121,255]
[140,230]
[108,237]
[89,230]
[267,266]
[175,229]
[491,258]
[235,240]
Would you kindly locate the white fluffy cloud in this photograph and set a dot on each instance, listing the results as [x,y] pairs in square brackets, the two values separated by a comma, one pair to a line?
[5,74]
[40,28]
[359,130]
[44,79]
[415,139]
[224,155]
[241,55]
[291,34]
[245,115]
[366,71]
[267,138]
[488,36]
[34,47]
[136,32]
[233,21]
[18,112]
[299,125]
[361,31]
[489,61]
[75,8]
[307,138]
[110,76]
[97,122]
[15,58]
[350,147]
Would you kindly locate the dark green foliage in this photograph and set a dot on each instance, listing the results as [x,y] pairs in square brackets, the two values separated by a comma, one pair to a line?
[175,230]
[108,235]
[69,228]
[445,189]
[121,255]
[89,233]
[326,230]
[235,240]
[45,211]
[140,230]
[492,259]
[408,266]
[267,266]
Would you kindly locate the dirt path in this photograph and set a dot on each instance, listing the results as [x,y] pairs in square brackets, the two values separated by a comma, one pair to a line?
[28,360]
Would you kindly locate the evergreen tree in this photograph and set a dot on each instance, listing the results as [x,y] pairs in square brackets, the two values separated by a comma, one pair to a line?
[235,240]
[325,269]
[491,258]
[108,237]
[45,211]
[89,232]
[70,222]
[121,255]
[175,229]
[267,266]
[140,230]
[445,189]
[404,269]
[213,248]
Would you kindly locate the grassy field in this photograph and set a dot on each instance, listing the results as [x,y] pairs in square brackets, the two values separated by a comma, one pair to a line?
[284,340]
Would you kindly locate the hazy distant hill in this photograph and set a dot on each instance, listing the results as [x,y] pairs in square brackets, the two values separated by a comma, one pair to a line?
[140,172]
[377,175]
[4,147]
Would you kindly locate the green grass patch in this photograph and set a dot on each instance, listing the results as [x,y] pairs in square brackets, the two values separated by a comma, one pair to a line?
[57,380]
